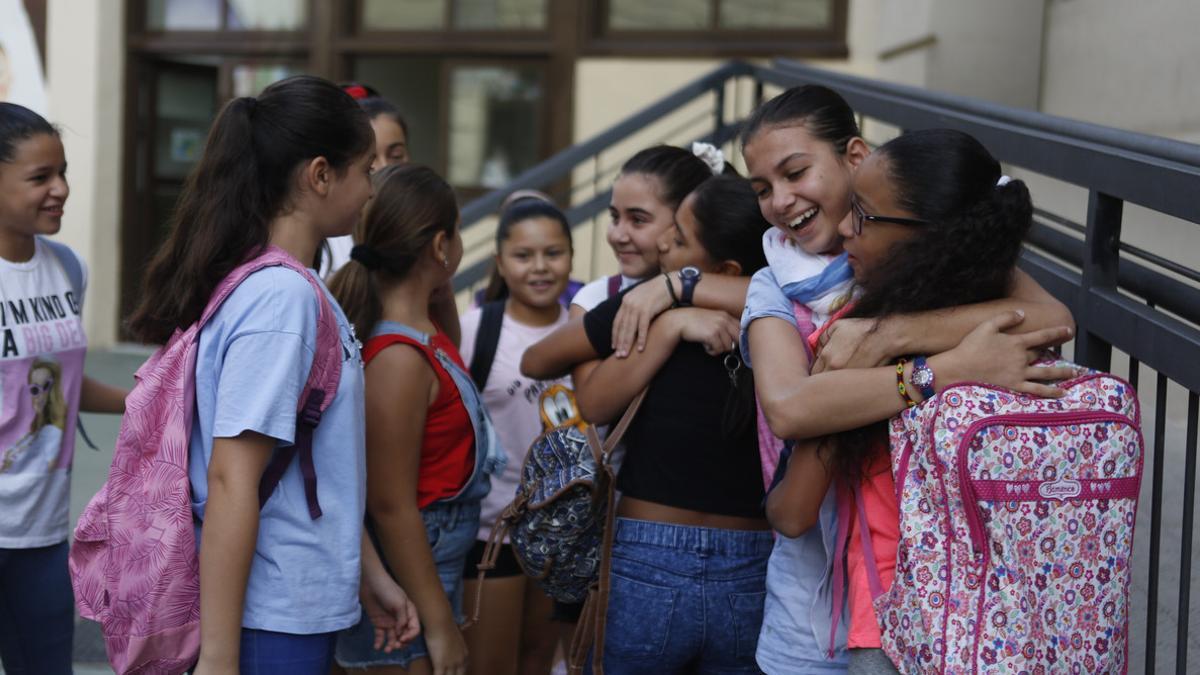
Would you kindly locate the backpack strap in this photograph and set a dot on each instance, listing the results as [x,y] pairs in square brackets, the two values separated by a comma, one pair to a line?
[70,264]
[487,339]
[590,630]
[614,285]
[319,389]
[74,271]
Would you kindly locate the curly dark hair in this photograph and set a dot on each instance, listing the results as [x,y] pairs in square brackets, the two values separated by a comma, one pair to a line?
[965,254]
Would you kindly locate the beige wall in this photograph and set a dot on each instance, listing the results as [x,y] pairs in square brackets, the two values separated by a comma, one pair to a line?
[84,63]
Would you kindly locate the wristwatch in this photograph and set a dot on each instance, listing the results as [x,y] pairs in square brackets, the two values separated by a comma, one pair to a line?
[688,278]
[922,378]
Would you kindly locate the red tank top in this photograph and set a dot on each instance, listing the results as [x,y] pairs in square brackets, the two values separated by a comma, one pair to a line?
[448,445]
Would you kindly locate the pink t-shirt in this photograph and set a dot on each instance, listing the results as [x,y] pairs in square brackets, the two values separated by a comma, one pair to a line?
[521,408]
[883,517]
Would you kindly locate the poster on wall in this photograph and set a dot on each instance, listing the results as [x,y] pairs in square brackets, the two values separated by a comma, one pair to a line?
[20,65]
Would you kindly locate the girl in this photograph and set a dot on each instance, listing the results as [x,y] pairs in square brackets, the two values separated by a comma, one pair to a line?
[533,263]
[918,203]
[428,447]
[691,540]
[286,169]
[42,390]
[644,198]
[391,147]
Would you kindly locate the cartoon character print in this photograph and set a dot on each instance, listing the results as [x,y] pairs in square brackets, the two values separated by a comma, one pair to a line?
[558,408]
[38,450]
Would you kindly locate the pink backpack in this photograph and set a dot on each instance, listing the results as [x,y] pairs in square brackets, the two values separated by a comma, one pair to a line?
[134,563]
[1016,530]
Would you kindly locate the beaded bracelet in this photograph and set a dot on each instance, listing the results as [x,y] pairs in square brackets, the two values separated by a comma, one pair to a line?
[908,400]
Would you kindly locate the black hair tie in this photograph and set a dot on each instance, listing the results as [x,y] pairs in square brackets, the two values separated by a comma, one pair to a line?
[366,256]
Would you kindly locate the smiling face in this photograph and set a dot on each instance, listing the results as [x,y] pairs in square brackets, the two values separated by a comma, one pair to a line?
[876,195]
[391,143]
[802,183]
[639,217]
[33,187]
[680,245]
[40,382]
[535,261]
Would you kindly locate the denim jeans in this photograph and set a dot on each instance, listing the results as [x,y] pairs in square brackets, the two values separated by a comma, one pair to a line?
[37,611]
[451,530]
[685,599]
[264,652]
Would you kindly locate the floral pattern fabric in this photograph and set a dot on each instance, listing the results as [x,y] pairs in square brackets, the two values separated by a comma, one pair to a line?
[1016,530]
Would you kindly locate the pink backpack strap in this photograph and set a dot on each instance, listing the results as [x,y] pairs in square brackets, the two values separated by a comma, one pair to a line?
[319,389]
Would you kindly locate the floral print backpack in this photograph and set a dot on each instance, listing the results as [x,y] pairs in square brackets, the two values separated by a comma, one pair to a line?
[1016,530]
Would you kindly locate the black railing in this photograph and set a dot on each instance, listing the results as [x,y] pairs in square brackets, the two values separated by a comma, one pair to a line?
[1124,298]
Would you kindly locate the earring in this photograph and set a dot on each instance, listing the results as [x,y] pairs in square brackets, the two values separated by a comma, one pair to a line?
[446,263]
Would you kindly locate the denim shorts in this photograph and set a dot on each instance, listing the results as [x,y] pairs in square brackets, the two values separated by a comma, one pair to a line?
[451,530]
[685,599]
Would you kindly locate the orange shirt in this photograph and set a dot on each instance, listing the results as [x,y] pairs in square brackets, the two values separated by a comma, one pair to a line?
[883,517]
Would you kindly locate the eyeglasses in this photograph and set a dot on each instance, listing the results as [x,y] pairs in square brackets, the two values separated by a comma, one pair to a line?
[36,389]
[860,216]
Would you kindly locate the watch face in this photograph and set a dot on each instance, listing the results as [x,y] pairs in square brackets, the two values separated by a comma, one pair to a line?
[922,377]
[689,272]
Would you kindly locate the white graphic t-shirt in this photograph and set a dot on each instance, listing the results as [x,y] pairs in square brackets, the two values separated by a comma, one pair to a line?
[521,408]
[42,346]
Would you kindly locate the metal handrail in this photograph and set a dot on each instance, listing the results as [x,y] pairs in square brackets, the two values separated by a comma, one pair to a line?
[1123,297]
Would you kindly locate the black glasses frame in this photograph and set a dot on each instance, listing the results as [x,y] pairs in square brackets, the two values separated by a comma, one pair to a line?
[859,216]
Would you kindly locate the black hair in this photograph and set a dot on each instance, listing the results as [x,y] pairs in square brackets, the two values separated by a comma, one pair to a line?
[965,254]
[677,170]
[519,211]
[730,222]
[821,110]
[373,103]
[18,123]
[243,180]
[730,226]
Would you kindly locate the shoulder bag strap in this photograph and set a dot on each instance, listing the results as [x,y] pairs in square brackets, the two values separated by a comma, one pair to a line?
[487,339]
[589,632]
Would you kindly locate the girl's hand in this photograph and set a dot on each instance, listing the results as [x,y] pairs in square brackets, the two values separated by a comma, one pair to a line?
[447,649]
[391,612]
[853,343]
[714,329]
[989,355]
[208,667]
[638,308]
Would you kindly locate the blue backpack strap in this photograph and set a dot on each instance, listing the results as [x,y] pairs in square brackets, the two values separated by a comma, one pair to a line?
[70,264]
[487,339]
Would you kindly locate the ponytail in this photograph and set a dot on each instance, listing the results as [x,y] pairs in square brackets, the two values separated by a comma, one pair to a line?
[411,205]
[241,183]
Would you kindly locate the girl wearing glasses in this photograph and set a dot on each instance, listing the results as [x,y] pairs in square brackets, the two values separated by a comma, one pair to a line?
[929,230]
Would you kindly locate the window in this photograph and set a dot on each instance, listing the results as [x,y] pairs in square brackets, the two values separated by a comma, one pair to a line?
[438,15]
[211,15]
[719,27]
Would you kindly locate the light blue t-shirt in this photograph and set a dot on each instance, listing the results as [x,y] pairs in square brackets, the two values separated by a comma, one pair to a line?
[254,357]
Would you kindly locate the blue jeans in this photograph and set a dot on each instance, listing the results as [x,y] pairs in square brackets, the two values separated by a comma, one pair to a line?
[268,653]
[685,599]
[450,529]
[37,611]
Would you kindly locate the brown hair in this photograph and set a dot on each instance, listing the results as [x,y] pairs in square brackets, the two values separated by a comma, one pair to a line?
[411,205]
[242,182]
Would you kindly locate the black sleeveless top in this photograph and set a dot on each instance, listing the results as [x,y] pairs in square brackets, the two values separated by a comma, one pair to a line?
[675,451]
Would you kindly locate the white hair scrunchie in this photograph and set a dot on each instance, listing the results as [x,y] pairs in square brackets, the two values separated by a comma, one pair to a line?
[1004,180]
[710,155]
